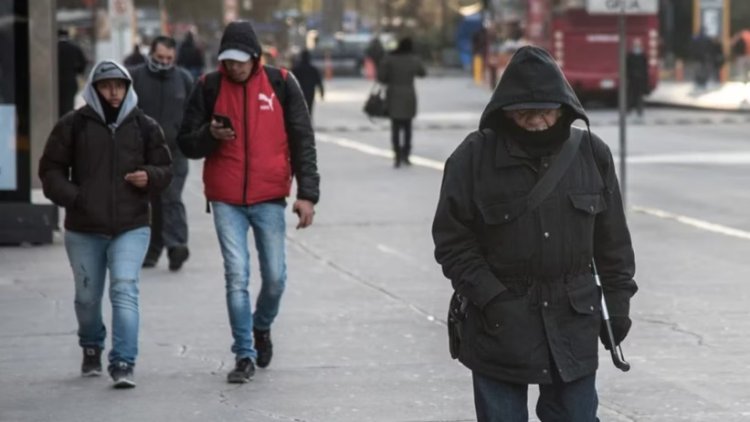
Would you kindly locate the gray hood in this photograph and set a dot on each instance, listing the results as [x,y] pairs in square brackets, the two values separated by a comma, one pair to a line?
[129,103]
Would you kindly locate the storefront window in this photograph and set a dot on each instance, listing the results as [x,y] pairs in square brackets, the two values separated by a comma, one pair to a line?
[14,101]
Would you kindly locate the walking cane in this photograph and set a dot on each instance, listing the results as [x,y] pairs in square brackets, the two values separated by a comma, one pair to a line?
[615,350]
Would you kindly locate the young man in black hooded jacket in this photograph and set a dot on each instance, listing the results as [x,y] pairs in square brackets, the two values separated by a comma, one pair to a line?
[533,314]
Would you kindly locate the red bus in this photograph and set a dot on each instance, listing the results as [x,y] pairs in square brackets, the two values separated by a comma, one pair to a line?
[586,46]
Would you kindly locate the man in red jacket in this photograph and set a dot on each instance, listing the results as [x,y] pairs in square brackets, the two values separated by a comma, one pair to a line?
[252,126]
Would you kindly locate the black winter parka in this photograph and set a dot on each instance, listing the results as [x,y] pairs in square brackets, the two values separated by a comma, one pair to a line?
[486,245]
[84,165]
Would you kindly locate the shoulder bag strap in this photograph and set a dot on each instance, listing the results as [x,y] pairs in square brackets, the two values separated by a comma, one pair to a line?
[549,180]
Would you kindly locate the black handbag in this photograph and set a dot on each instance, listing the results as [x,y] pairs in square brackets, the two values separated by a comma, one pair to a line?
[376,106]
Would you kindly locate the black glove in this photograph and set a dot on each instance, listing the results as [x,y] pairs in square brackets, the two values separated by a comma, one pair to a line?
[620,327]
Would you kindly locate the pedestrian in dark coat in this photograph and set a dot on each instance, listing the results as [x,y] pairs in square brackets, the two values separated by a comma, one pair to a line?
[71,62]
[102,162]
[190,56]
[163,90]
[397,72]
[309,79]
[135,57]
[533,314]
[637,70]
[375,51]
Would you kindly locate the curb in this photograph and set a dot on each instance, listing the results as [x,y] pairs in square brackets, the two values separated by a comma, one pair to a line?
[741,118]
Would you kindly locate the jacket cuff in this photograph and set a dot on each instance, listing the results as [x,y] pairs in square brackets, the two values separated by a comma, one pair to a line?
[618,303]
[308,197]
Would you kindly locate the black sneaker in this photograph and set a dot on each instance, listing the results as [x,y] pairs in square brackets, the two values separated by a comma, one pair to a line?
[92,362]
[122,375]
[263,346]
[243,370]
[177,256]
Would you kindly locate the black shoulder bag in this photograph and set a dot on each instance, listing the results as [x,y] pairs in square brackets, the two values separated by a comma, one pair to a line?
[458,303]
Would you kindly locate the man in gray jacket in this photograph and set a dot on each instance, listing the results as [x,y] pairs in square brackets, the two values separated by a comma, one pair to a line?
[162,90]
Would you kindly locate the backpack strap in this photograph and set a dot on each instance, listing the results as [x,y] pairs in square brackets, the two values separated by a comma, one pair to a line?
[277,76]
[211,87]
[140,120]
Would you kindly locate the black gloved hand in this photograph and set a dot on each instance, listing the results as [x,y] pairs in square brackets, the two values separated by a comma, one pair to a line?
[620,327]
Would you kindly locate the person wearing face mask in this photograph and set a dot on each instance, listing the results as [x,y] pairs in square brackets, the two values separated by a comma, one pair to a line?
[637,75]
[163,89]
[102,162]
[521,261]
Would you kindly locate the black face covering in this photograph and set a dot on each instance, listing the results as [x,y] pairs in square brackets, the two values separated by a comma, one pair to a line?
[541,143]
[110,113]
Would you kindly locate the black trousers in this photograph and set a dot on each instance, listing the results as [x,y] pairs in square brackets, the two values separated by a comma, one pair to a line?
[168,217]
[401,145]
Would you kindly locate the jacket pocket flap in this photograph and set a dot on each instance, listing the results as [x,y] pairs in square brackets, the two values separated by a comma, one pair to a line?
[501,212]
[585,299]
[590,203]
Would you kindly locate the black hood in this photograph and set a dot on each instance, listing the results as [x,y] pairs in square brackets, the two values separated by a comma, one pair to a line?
[531,76]
[239,35]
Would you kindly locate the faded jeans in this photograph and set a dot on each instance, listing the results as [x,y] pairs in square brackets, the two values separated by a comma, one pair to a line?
[232,224]
[90,256]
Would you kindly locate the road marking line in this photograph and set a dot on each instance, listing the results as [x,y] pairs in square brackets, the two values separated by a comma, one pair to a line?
[437,165]
[379,152]
[694,222]
[728,157]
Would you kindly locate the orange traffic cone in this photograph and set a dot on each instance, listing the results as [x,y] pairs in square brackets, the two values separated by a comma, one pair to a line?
[328,67]
[369,69]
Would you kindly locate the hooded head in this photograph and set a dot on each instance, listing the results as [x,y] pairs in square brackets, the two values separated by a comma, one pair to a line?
[532,80]
[239,43]
[112,106]
[405,46]
[304,57]
[240,50]
[533,103]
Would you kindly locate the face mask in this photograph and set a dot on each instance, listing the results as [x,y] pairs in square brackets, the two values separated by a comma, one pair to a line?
[158,67]
[637,49]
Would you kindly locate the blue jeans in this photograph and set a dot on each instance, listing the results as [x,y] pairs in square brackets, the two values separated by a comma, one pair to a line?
[498,401]
[232,224]
[90,256]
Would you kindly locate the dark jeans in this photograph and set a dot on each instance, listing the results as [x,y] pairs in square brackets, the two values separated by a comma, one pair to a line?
[401,147]
[168,217]
[498,401]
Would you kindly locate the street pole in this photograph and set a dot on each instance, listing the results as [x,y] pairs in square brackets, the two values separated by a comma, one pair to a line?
[622,99]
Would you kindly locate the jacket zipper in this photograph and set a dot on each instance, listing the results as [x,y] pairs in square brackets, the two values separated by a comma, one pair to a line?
[113,145]
[247,141]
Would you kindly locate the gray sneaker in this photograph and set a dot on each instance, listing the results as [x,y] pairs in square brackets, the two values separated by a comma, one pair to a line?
[243,370]
[122,375]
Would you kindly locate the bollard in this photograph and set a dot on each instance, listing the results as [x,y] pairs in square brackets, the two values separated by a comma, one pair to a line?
[478,67]
[679,70]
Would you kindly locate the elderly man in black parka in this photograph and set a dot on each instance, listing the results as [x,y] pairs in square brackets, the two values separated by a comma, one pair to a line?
[526,271]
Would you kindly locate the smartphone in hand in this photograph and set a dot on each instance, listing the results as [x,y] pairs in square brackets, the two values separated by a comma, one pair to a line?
[225,121]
